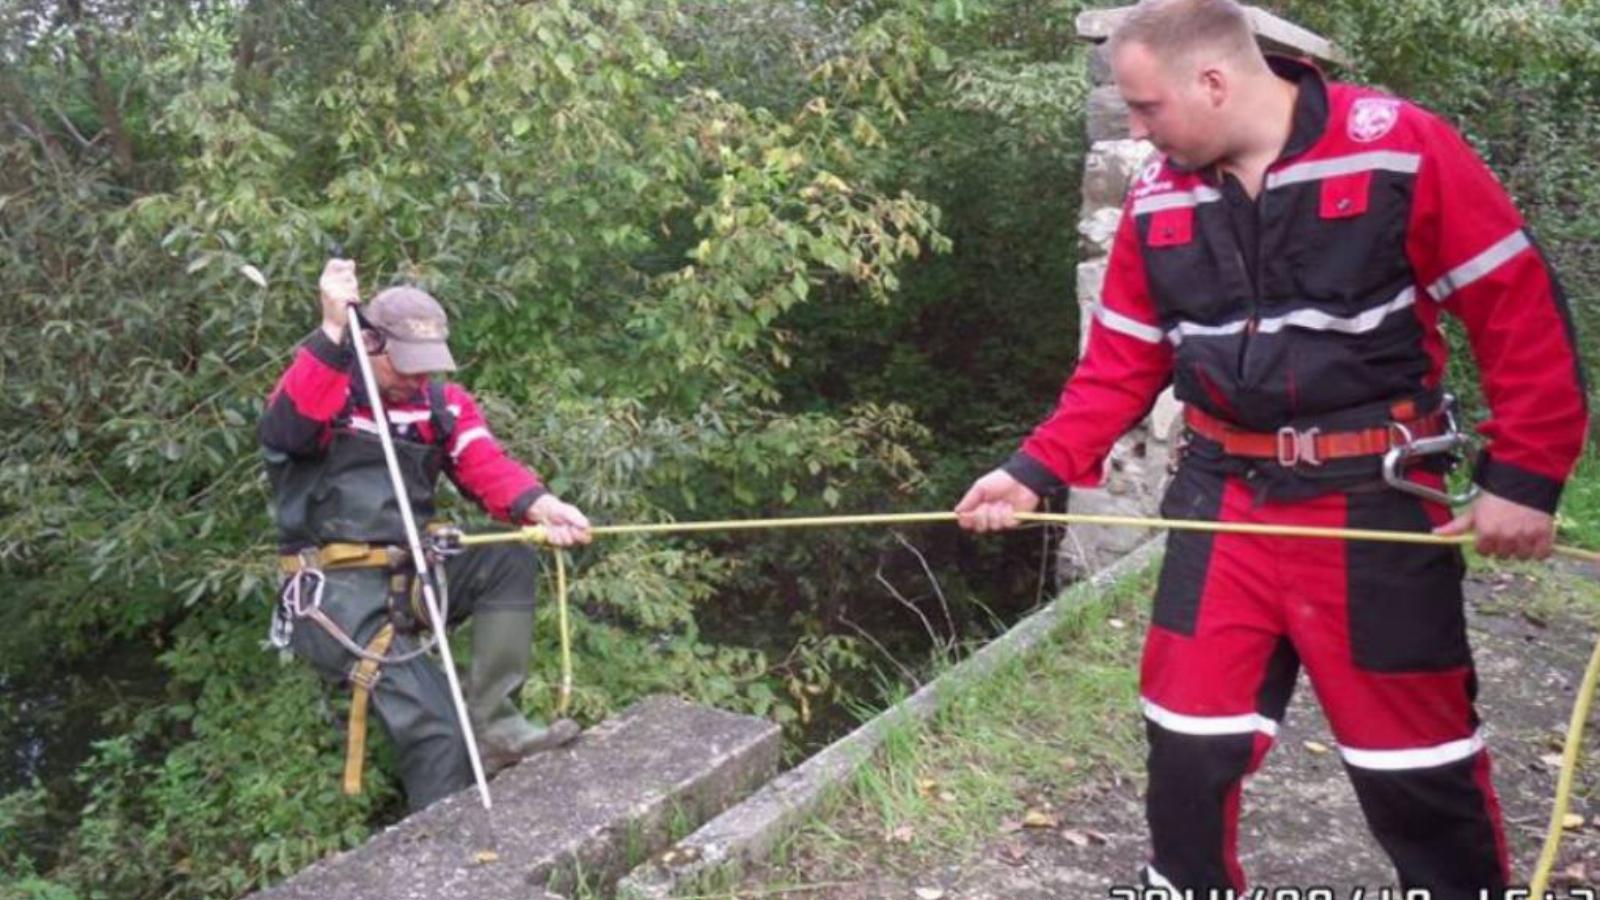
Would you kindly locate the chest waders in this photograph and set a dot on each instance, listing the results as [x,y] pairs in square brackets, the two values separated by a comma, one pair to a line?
[367,490]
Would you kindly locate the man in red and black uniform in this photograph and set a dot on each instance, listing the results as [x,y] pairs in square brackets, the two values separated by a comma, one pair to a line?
[338,516]
[1284,263]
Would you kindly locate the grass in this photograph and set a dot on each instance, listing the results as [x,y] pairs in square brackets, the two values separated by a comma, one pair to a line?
[1020,739]
[1578,518]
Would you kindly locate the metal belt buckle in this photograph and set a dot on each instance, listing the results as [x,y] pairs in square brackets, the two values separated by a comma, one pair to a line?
[365,680]
[1295,447]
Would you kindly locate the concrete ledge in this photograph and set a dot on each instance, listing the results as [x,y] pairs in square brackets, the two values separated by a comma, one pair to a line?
[750,830]
[581,815]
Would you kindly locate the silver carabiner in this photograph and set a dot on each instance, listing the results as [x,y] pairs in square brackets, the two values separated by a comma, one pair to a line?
[300,600]
[1408,447]
[444,541]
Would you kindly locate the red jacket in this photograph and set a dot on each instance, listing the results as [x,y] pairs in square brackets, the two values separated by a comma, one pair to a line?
[314,396]
[1376,218]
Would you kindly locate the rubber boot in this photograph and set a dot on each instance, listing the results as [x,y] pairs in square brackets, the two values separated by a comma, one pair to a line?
[502,646]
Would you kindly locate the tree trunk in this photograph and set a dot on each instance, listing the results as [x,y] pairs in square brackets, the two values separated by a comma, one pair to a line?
[105,102]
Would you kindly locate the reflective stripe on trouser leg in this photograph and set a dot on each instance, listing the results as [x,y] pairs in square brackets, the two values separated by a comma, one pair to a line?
[1384,640]
[1216,676]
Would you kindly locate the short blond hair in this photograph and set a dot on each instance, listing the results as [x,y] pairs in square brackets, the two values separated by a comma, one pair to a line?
[1176,28]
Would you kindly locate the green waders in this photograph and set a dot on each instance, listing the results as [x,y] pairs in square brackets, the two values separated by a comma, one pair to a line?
[494,585]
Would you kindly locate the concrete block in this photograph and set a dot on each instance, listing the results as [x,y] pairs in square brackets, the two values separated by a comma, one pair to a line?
[1098,229]
[747,832]
[1166,418]
[1108,169]
[1106,115]
[595,808]
[1100,64]
[1089,548]
[1091,279]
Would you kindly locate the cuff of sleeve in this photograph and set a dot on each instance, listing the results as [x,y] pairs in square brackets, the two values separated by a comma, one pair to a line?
[524,502]
[335,356]
[1517,484]
[1034,475]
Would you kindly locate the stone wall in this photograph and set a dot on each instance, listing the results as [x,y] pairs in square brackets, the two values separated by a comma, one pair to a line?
[1139,463]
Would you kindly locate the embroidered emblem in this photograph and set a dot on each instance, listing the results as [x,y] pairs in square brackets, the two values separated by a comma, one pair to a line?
[1372,118]
[424,329]
[1149,179]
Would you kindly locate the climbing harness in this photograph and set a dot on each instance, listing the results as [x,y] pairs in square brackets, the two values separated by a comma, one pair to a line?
[1314,446]
[305,582]
[300,597]
[364,677]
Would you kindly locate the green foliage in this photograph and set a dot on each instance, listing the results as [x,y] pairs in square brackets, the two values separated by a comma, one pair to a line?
[618,242]
[992,133]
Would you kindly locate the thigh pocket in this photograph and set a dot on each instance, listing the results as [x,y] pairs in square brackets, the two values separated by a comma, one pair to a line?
[1406,605]
[1192,495]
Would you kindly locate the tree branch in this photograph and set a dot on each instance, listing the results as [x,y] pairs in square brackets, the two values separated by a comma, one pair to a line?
[25,117]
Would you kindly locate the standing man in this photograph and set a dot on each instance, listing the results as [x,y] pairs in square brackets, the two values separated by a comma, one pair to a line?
[1284,263]
[350,603]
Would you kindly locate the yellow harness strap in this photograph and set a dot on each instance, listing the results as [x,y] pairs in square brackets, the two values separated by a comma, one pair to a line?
[341,556]
[363,677]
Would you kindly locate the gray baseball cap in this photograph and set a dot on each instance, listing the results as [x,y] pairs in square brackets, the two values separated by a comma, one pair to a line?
[415,330]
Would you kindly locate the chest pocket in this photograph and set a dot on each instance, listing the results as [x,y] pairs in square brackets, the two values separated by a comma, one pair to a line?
[1345,196]
[1171,227]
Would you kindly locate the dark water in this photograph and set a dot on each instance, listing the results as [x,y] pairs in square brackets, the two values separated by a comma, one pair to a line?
[50,717]
[914,633]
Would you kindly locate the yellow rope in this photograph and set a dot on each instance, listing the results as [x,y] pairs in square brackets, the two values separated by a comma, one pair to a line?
[535,534]
[565,698]
[1569,768]
[1569,761]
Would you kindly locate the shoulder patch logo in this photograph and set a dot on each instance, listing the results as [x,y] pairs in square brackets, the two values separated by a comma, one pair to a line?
[1149,179]
[1372,118]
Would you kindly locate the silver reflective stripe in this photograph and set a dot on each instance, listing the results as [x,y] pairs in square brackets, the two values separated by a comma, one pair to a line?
[1175,200]
[1157,880]
[1480,265]
[1194,329]
[1371,161]
[466,438]
[1207,725]
[409,416]
[1317,320]
[1418,758]
[1121,324]
[1309,319]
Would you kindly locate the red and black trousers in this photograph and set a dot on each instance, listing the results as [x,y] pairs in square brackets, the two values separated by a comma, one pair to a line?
[1379,629]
